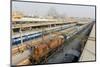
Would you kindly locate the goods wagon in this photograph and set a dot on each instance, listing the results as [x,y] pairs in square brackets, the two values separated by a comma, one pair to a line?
[43,50]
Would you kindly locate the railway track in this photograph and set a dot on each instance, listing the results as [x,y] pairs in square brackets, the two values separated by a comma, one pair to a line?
[18,47]
[72,51]
[61,47]
[46,38]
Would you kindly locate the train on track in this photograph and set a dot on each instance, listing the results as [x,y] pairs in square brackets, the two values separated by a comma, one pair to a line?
[43,49]
[27,37]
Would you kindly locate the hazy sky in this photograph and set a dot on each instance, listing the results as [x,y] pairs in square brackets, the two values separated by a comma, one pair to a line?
[30,8]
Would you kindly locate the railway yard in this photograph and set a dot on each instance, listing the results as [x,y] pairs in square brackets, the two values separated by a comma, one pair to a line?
[46,41]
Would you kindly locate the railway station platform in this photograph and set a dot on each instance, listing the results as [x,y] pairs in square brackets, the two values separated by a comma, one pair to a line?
[89,52]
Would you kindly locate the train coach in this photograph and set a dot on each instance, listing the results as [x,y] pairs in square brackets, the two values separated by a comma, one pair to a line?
[17,40]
